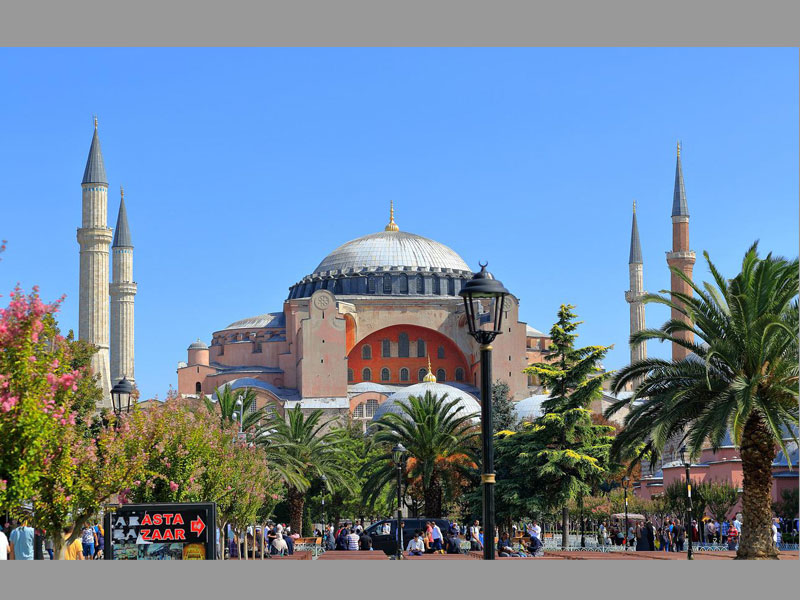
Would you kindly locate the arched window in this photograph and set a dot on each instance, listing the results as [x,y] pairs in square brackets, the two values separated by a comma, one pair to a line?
[385,375]
[440,352]
[403,283]
[350,375]
[366,352]
[440,375]
[421,374]
[337,288]
[252,407]
[459,374]
[387,284]
[403,374]
[451,286]
[358,413]
[386,348]
[402,345]
[371,284]
[420,284]
[198,389]
[437,289]
[372,406]
[366,375]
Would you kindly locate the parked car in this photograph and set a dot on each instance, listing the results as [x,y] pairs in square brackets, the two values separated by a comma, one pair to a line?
[388,543]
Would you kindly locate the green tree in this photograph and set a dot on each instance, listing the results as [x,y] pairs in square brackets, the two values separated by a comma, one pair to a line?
[741,376]
[502,407]
[564,452]
[442,445]
[232,404]
[787,506]
[720,497]
[301,451]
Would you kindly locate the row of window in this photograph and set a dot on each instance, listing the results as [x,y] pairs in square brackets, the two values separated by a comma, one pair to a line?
[404,374]
[403,350]
[441,285]
[361,411]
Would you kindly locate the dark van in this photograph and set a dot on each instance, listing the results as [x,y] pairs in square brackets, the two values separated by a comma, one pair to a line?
[388,543]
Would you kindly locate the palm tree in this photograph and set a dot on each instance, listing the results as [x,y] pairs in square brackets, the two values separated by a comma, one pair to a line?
[235,405]
[742,377]
[441,442]
[300,452]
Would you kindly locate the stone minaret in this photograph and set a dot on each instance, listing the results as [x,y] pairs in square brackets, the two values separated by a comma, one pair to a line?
[94,238]
[636,292]
[681,256]
[123,289]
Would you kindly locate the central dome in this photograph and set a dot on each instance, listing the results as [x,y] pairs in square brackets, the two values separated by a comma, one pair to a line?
[392,249]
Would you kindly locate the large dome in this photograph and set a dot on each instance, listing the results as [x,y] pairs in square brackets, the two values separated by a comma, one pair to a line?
[392,249]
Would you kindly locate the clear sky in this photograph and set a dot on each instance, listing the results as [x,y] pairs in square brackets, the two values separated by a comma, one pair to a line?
[243,168]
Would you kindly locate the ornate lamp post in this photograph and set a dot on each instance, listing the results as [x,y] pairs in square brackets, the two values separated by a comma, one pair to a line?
[625,481]
[485,327]
[121,396]
[688,529]
[398,456]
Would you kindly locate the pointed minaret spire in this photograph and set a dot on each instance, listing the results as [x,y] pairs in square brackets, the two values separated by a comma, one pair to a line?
[95,171]
[392,226]
[122,234]
[636,292]
[122,290]
[636,247]
[679,206]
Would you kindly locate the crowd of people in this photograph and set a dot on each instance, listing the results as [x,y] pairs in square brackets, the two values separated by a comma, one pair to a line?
[20,541]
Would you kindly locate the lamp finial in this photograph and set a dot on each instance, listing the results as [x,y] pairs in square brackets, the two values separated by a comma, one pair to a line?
[392,226]
[430,377]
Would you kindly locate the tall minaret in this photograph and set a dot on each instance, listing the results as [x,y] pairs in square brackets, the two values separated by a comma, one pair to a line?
[636,292]
[94,237]
[681,256]
[123,289]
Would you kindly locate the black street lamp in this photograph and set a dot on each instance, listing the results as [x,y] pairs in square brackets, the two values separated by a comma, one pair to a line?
[485,327]
[324,522]
[688,529]
[625,481]
[398,455]
[121,397]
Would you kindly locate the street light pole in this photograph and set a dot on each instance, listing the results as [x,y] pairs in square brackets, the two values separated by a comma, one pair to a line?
[688,529]
[625,481]
[398,452]
[324,522]
[483,285]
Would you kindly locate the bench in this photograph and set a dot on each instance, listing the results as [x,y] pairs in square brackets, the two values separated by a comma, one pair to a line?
[353,555]
[469,556]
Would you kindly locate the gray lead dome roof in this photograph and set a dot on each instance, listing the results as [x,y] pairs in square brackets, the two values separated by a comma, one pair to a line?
[392,248]
[467,404]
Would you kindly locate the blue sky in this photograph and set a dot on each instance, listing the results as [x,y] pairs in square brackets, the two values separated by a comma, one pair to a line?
[243,168]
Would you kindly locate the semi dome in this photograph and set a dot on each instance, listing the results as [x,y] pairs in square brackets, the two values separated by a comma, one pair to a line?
[467,404]
[392,249]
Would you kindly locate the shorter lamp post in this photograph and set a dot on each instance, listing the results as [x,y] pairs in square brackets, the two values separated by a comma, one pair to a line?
[483,286]
[324,523]
[398,454]
[688,529]
[121,397]
[625,481]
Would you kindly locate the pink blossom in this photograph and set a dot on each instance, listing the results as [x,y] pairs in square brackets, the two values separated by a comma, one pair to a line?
[173,486]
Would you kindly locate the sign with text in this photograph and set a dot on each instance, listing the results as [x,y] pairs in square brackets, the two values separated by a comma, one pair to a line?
[182,531]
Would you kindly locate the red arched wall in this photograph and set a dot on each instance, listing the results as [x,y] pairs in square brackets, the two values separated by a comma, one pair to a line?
[453,357]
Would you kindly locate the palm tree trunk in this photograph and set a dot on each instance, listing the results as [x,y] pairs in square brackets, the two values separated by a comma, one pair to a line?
[758,452]
[564,527]
[433,498]
[296,502]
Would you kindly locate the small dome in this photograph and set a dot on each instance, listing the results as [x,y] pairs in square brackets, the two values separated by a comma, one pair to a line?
[530,408]
[466,402]
[198,345]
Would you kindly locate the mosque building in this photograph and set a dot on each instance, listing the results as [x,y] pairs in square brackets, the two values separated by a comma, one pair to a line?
[363,325]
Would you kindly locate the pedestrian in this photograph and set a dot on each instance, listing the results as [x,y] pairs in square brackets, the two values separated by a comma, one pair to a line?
[21,541]
[602,534]
[733,537]
[48,545]
[5,546]
[88,539]
[474,536]
[98,531]
[365,541]
[678,536]
[278,543]
[650,536]
[74,550]
[416,546]
[724,529]
[537,530]
[710,531]
[341,539]
[775,534]
[717,529]
[438,539]
[352,539]
[737,522]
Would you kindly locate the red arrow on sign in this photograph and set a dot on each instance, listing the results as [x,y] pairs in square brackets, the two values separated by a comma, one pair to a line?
[197,526]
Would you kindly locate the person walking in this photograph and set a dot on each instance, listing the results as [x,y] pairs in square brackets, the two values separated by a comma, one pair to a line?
[438,539]
[100,538]
[678,535]
[5,545]
[88,539]
[365,541]
[73,551]
[474,536]
[21,542]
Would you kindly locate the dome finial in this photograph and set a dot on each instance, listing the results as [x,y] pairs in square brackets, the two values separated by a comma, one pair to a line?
[679,148]
[95,122]
[392,226]
[430,377]
[634,207]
